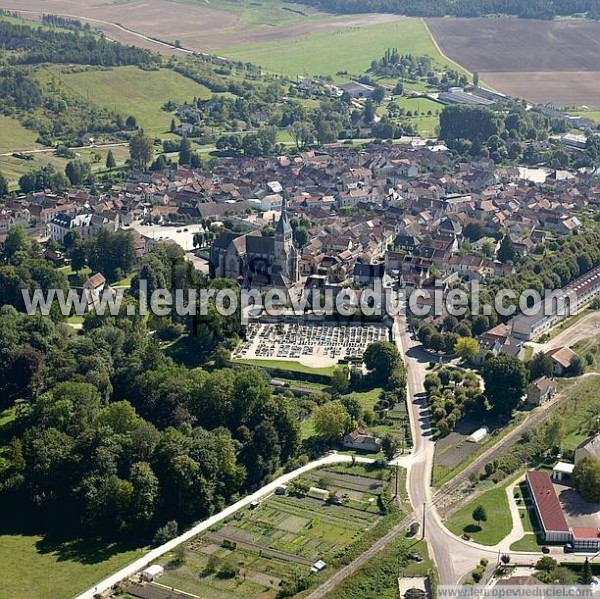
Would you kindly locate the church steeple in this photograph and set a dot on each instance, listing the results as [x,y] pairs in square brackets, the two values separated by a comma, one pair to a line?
[283,228]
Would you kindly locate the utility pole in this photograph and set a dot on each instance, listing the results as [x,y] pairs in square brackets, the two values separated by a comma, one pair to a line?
[396,480]
[424,508]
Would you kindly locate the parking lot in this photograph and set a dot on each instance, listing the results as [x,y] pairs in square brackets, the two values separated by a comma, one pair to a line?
[318,344]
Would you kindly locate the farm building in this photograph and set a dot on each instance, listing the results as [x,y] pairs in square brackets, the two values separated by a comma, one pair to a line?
[457,95]
[561,358]
[548,509]
[357,90]
[540,391]
[359,440]
[152,572]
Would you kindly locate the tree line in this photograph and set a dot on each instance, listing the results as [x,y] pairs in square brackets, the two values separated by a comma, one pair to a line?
[528,9]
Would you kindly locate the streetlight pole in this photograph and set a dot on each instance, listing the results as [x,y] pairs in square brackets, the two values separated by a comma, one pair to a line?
[424,511]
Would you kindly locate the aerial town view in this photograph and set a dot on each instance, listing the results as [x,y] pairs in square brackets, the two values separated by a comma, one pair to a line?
[299,299]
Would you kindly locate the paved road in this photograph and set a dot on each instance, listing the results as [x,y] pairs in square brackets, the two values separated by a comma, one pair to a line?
[265,491]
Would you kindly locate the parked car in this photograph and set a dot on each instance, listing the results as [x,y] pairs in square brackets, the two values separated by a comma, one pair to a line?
[545,549]
[568,548]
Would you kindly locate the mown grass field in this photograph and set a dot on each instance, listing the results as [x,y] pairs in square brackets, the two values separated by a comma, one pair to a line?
[286,365]
[37,569]
[498,524]
[13,136]
[348,49]
[129,90]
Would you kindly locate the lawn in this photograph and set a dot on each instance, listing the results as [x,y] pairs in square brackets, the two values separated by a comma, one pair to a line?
[593,115]
[526,543]
[129,90]
[498,524]
[37,569]
[290,365]
[348,49]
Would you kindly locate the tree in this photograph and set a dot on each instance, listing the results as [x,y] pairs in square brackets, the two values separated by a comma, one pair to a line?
[369,112]
[141,149]
[332,421]
[540,365]
[546,564]
[505,379]
[78,255]
[166,533]
[339,379]
[185,151]
[78,172]
[586,573]
[110,160]
[467,348]
[476,79]
[576,368]
[3,185]
[303,133]
[173,126]
[506,251]
[378,94]
[479,514]
[586,478]
[131,122]
[389,446]
[382,358]
[195,161]
[553,432]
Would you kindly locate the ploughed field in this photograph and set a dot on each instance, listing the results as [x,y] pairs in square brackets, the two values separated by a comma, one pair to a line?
[541,61]
[195,24]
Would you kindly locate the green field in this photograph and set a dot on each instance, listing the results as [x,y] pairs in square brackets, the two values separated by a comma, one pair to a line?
[286,365]
[498,524]
[348,49]
[267,13]
[38,569]
[129,90]
[13,136]
[13,168]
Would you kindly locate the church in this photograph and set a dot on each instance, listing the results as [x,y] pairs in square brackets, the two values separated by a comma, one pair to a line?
[257,261]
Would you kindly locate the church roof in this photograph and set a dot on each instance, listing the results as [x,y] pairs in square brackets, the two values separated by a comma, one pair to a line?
[283,224]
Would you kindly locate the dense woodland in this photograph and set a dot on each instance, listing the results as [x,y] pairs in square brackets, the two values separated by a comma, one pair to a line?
[527,9]
[35,45]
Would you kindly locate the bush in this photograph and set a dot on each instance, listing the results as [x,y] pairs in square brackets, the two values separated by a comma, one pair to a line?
[165,533]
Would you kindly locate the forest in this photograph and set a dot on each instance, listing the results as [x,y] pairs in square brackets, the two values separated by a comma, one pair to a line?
[35,45]
[526,9]
[111,437]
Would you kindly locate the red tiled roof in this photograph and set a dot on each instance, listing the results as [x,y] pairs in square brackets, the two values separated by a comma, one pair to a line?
[586,533]
[547,503]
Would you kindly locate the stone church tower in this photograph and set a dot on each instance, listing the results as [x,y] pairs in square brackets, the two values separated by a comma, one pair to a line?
[286,258]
